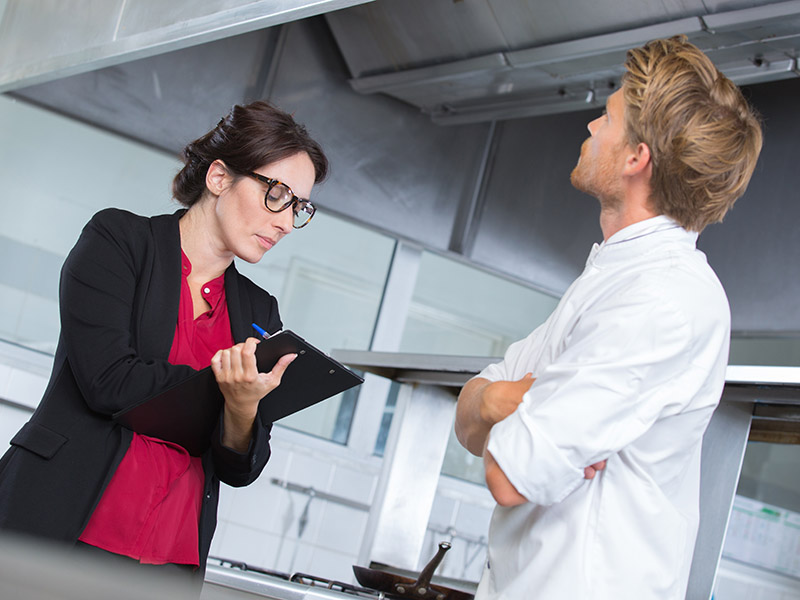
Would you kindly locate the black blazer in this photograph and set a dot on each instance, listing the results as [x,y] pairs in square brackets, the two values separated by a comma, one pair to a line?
[119,296]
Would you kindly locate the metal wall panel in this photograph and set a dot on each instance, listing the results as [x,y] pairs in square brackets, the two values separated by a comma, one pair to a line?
[391,167]
[390,35]
[756,250]
[394,170]
[534,225]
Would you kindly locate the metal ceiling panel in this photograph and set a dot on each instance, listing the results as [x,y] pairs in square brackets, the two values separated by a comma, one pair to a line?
[166,100]
[42,40]
[391,168]
[414,33]
[393,35]
[751,44]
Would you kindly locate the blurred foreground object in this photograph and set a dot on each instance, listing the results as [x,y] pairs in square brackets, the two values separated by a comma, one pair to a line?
[37,570]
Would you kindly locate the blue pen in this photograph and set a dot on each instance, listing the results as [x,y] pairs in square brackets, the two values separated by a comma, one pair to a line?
[261,332]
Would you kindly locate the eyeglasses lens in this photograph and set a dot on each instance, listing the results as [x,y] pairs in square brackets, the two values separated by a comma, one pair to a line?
[303,214]
[278,196]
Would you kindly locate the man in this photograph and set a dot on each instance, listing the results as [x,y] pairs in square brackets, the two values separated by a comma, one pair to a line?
[631,364]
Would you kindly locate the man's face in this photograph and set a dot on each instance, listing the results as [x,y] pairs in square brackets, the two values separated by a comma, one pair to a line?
[599,167]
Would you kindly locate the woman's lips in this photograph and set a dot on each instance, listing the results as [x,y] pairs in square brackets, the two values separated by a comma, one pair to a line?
[265,242]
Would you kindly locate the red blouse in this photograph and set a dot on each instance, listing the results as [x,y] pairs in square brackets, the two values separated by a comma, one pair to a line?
[150,509]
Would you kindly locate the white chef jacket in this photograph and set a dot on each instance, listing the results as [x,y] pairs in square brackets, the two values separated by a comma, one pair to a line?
[629,368]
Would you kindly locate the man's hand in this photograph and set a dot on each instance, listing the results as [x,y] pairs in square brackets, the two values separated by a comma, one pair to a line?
[501,398]
[590,471]
[483,403]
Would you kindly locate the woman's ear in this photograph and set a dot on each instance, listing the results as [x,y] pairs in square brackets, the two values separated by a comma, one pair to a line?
[217,177]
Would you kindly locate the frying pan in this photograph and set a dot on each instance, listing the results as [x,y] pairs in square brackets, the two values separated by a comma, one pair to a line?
[398,586]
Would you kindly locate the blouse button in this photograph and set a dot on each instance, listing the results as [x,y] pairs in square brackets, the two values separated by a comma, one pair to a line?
[206,290]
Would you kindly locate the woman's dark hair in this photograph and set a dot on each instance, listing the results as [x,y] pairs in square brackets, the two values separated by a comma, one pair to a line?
[248,138]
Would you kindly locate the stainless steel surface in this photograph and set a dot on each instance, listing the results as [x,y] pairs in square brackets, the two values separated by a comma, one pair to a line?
[230,583]
[392,169]
[785,377]
[494,195]
[535,226]
[499,60]
[723,446]
[414,453]
[744,383]
[723,451]
[438,369]
[42,40]
[753,250]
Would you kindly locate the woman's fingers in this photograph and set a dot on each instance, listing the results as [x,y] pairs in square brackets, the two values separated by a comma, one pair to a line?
[280,368]
[236,367]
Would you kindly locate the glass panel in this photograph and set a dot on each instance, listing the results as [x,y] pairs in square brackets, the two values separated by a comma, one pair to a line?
[57,173]
[764,528]
[328,278]
[461,310]
[457,309]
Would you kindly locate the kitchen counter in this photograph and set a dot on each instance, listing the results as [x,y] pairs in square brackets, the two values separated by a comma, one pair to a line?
[761,403]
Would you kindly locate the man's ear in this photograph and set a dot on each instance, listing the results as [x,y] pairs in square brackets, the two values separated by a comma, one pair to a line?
[217,177]
[639,161]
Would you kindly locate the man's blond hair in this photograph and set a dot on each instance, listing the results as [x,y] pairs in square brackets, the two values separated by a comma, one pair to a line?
[703,136]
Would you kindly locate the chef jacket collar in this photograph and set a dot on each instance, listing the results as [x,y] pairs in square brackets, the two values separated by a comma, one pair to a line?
[638,238]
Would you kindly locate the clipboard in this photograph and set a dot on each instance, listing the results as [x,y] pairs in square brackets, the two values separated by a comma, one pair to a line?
[188,412]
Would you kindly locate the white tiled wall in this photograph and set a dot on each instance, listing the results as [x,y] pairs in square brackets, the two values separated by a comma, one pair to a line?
[259,524]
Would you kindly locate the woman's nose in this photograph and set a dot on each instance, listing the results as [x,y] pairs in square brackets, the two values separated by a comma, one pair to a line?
[285,220]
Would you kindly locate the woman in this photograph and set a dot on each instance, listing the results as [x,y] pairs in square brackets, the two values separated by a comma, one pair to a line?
[143,302]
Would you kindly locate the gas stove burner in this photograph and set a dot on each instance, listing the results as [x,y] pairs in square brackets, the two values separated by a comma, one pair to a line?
[338,586]
[243,566]
[223,574]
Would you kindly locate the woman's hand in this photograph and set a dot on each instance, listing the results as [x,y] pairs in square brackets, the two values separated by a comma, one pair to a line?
[243,387]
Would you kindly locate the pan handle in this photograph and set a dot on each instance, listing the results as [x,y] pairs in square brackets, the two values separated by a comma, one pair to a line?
[420,588]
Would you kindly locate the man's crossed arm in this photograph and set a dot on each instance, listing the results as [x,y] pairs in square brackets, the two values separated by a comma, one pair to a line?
[481,404]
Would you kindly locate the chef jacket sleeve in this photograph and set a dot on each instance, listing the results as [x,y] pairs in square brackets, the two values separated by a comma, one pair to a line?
[626,362]
[515,360]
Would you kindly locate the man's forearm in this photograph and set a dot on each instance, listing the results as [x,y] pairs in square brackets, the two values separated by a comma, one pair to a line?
[470,427]
[503,491]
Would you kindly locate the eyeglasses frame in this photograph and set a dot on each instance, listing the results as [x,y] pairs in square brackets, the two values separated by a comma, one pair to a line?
[296,200]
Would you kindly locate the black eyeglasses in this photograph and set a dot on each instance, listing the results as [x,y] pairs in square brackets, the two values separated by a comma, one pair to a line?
[280,196]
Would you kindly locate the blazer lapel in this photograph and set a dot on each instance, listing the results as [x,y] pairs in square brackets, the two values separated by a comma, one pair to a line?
[160,308]
[239,309]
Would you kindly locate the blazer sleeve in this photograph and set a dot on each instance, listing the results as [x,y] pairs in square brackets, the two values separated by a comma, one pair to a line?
[98,288]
